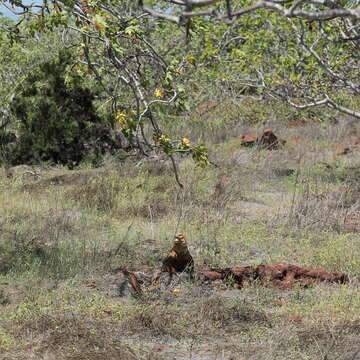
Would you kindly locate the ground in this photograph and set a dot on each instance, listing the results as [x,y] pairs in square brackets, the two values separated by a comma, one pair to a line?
[65,235]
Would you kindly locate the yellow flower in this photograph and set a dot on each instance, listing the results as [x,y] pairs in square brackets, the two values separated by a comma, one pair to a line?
[163,140]
[186,142]
[159,93]
[176,291]
[120,117]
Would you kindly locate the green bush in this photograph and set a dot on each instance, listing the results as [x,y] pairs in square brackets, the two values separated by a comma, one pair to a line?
[58,122]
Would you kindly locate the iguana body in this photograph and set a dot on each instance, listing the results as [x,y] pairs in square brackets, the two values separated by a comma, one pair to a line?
[179,258]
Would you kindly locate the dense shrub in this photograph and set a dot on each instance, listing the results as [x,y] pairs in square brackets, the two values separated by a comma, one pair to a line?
[57,119]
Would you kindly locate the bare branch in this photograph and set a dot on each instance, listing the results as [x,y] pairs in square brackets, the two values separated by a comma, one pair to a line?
[297,10]
[163,16]
[175,171]
[326,101]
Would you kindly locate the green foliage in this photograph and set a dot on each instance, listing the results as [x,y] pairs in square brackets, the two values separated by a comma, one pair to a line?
[141,67]
[55,117]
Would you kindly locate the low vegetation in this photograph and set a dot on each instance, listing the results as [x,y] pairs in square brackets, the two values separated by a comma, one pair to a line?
[64,235]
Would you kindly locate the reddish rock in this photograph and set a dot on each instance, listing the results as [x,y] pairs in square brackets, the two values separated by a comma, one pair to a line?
[249,139]
[211,275]
[284,276]
[270,141]
[242,271]
[280,275]
[287,275]
[240,274]
[267,140]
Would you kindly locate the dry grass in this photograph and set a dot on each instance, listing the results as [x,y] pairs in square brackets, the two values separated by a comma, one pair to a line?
[63,235]
[70,337]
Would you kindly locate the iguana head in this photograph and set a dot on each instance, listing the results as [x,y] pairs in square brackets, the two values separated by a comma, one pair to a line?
[180,242]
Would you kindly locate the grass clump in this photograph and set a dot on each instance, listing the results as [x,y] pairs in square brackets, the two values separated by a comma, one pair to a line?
[69,336]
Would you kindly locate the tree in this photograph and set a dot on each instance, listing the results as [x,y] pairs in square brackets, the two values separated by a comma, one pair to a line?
[57,118]
[299,51]
[305,51]
[113,43]
[18,59]
[231,9]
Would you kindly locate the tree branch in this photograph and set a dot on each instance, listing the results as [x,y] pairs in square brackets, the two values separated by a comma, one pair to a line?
[333,11]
